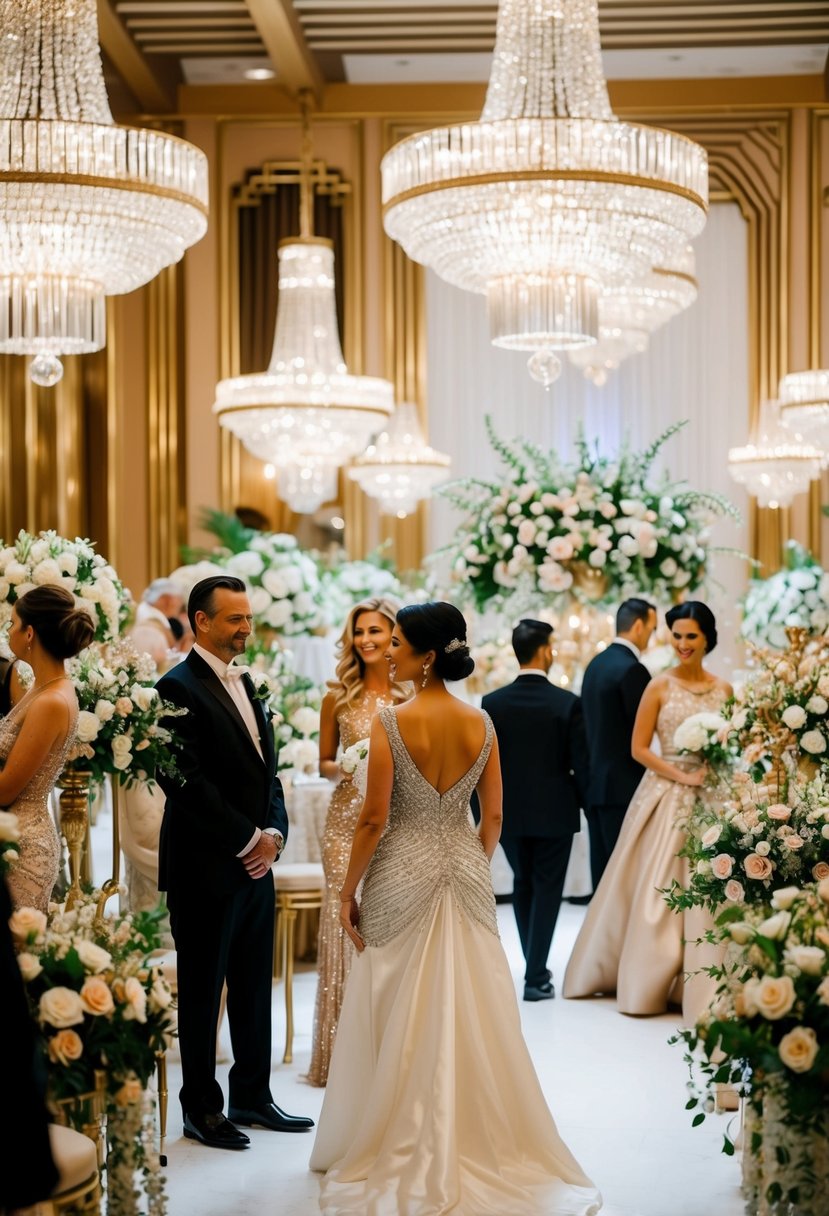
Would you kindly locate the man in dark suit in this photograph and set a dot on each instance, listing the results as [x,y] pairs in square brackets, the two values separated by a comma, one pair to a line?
[611,690]
[223,829]
[544,769]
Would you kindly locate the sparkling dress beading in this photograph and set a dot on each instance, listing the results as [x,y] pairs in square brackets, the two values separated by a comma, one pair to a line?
[433,1107]
[631,943]
[33,876]
[334,950]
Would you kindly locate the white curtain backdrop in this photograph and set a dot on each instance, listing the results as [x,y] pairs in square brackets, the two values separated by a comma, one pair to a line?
[696,368]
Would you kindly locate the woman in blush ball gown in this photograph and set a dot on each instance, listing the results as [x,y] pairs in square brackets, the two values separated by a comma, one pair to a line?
[433,1106]
[362,687]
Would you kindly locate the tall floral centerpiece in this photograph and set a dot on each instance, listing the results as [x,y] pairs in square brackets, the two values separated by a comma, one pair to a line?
[104,1010]
[796,596]
[294,702]
[597,528]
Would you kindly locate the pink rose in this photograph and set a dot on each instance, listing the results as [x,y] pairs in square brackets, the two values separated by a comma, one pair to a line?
[756,867]
[779,811]
[722,866]
[794,841]
[734,891]
[821,870]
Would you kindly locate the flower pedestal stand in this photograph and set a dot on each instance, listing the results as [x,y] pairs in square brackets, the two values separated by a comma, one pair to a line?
[74,823]
[777,1157]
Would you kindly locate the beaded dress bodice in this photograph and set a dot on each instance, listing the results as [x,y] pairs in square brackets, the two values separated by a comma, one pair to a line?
[354,721]
[429,847]
[682,703]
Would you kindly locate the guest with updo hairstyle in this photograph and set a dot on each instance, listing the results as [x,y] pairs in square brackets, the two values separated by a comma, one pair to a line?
[695,610]
[38,733]
[440,627]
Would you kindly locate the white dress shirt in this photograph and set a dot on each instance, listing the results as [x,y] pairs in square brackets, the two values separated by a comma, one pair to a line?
[234,686]
[632,647]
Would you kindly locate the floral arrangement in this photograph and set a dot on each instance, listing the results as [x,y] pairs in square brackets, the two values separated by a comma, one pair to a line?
[768,1028]
[46,558]
[797,595]
[354,761]
[294,701]
[705,735]
[495,665]
[9,836]
[344,583]
[102,1007]
[123,725]
[596,528]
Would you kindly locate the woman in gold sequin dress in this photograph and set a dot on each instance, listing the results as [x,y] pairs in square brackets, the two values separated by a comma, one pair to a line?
[433,1105]
[37,733]
[361,688]
[631,943]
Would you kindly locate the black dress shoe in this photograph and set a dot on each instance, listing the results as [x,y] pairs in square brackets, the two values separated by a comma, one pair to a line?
[215,1131]
[272,1117]
[540,992]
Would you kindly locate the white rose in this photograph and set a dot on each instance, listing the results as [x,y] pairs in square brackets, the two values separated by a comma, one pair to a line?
[808,959]
[15,573]
[817,705]
[87,726]
[668,567]
[775,996]
[143,696]
[794,716]
[823,685]
[47,573]
[279,614]
[30,922]
[798,1049]
[740,932]
[245,565]
[260,600]
[9,826]
[597,558]
[775,926]
[61,1007]
[763,848]
[136,1001]
[275,584]
[711,836]
[306,720]
[784,897]
[94,958]
[161,996]
[104,710]
[68,563]
[813,742]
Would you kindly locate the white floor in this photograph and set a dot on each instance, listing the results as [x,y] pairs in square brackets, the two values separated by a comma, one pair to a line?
[615,1086]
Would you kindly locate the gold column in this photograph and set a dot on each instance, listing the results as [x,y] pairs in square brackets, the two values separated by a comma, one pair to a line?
[165,422]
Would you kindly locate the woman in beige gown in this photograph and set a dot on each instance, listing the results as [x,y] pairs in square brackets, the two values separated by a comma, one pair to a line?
[631,943]
[362,687]
[433,1107]
[37,734]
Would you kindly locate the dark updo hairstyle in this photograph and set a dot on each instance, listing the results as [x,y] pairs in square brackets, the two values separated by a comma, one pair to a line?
[434,626]
[61,628]
[695,610]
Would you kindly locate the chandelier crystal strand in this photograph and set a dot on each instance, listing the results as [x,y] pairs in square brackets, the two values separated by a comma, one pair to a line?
[804,403]
[776,464]
[306,415]
[549,200]
[87,208]
[398,468]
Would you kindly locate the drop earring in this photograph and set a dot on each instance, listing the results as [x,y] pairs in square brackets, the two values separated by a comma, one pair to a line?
[425,675]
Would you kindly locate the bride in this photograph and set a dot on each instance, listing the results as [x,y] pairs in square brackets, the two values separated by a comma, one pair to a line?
[433,1106]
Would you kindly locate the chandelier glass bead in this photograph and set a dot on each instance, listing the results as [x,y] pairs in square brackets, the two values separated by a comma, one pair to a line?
[548,200]
[804,403]
[87,208]
[398,468]
[777,464]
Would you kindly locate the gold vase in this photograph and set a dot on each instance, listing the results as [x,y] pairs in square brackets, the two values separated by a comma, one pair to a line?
[74,822]
[592,583]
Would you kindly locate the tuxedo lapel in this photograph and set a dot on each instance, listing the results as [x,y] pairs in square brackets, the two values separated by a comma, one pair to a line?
[211,682]
[262,720]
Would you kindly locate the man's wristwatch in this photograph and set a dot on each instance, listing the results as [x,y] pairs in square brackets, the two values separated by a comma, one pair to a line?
[277,839]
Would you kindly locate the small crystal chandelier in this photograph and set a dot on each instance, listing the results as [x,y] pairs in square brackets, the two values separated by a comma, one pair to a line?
[306,415]
[399,468]
[549,200]
[777,464]
[804,404]
[87,208]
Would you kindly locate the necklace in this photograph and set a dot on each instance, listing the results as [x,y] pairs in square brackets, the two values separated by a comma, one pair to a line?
[54,680]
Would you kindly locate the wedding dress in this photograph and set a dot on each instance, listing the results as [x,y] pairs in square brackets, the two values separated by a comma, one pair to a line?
[433,1107]
[631,943]
[334,949]
[33,876]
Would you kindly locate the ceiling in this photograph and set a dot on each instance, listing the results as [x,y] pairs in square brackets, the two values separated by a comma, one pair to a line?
[155,44]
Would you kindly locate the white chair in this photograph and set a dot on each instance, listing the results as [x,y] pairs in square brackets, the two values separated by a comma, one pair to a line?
[299,887]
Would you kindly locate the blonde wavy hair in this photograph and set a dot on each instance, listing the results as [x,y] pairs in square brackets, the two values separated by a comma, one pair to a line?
[348,682]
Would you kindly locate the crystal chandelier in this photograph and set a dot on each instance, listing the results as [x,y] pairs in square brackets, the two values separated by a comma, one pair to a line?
[549,200]
[399,468]
[306,414]
[776,464]
[87,208]
[804,403]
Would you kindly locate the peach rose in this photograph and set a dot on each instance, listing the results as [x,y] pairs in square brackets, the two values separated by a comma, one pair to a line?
[793,842]
[29,965]
[129,1092]
[61,1007]
[779,811]
[711,835]
[774,996]
[123,706]
[27,924]
[722,866]
[65,1047]
[799,1048]
[821,870]
[135,999]
[759,868]
[93,957]
[734,891]
[97,996]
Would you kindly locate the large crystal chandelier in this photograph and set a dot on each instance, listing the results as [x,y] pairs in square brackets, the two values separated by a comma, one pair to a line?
[549,200]
[87,208]
[804,404]
[398,468]
[776,464]
[306,415]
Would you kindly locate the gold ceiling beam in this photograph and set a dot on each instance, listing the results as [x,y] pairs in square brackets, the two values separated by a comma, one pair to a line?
[150,92]
[281,32]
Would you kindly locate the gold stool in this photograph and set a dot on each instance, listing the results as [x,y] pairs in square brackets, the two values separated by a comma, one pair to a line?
[299,888]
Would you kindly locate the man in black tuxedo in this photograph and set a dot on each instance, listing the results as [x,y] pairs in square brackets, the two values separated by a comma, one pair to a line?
[222,830]
[611,690]
[544,769]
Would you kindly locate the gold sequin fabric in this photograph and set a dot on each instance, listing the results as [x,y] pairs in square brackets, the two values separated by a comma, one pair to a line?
[334,950]
[430,846]
[33,876]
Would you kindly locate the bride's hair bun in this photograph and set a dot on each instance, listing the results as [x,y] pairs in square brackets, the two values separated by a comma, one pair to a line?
[62,629]
[440,627]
